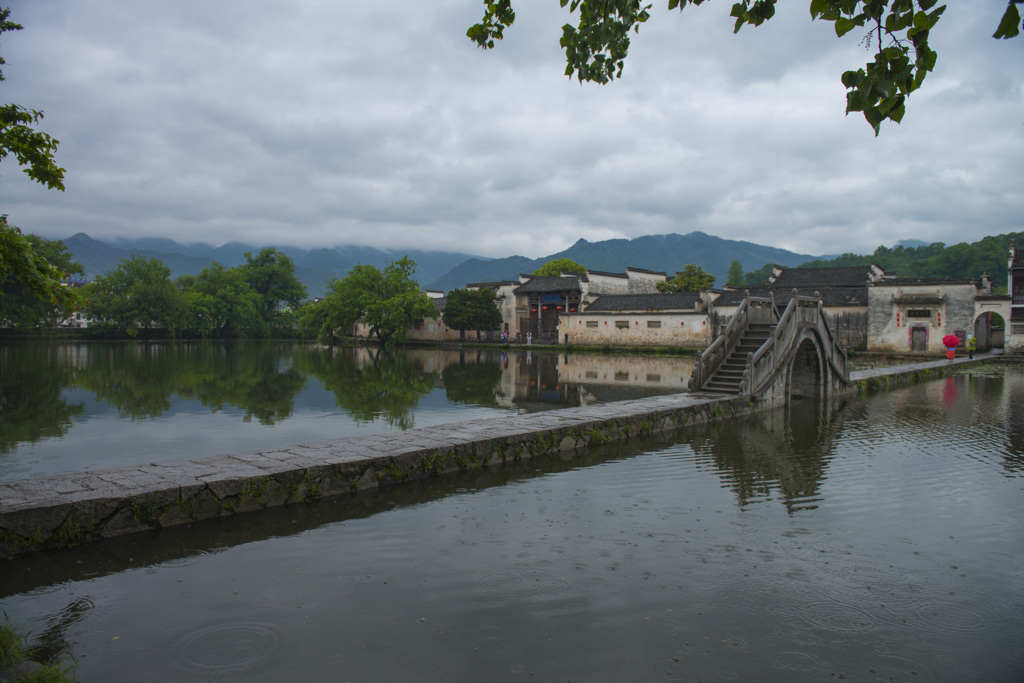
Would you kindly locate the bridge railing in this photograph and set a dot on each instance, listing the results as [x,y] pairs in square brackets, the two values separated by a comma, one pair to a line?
[715,354]
[751,310]
[763,364]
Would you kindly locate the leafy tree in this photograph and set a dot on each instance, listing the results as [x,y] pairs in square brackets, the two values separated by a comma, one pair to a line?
[936,260]
[735,275]
[692,278]
[471,309]
[271,275]
[138,293]
[389,301]
[25,307]
[596,48]
[556,267]
[219,302]
[34,150]
[759,277]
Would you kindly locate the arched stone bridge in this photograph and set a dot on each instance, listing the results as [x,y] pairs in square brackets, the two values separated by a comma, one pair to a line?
[771,356]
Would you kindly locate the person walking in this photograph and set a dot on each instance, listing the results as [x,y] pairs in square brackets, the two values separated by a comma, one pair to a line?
[972,344]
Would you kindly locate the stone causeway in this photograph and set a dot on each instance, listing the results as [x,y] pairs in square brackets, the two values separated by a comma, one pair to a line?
[65,510]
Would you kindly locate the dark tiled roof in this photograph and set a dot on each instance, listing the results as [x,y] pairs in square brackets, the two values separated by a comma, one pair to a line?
[684,301]
[831,297]
[909,282]
[846,276]
[491,285]
[641,270]
[549,284]
[600,272]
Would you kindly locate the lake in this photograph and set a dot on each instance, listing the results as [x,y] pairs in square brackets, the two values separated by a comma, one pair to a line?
[70,407]
[877,539]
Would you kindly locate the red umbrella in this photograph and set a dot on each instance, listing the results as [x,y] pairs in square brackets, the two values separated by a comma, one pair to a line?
[950,341]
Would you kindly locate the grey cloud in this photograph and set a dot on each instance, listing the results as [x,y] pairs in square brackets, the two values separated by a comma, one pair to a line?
[324,123]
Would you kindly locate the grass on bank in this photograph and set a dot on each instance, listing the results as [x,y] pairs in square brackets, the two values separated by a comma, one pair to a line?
[14,651]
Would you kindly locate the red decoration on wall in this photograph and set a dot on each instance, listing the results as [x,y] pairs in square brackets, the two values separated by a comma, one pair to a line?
[938,319]
[897,318]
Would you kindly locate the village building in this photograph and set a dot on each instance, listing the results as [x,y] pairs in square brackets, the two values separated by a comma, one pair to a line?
[913,315]
[868,309]
[534,305]
[641,320]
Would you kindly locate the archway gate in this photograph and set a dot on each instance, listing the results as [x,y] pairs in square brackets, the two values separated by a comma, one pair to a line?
[771,356]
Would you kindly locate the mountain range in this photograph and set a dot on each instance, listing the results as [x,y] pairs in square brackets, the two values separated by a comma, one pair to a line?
[443,271]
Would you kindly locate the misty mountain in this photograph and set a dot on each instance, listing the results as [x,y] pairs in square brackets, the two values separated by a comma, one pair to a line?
[667,253]
[313,267]
[445,271]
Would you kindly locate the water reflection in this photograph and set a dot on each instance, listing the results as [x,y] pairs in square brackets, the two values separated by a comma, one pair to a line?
[876,540]
[75,406]
[781,453]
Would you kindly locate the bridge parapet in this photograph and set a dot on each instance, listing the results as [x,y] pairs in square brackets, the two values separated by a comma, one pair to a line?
[767,370]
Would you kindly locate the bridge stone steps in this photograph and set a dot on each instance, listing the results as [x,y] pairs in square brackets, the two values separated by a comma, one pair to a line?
[729,376]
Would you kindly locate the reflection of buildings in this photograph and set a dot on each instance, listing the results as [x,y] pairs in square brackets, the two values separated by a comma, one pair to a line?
[541,380]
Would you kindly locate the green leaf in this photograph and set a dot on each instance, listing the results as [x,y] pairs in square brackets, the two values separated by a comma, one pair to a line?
[852,79]
[1009,25]
[844,26]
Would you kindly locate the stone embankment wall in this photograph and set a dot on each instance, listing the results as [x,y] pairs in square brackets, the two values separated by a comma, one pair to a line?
[58,511]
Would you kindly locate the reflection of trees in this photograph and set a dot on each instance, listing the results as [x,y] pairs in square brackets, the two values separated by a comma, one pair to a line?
[141,379]
[32,379]
[253,377]
[785,449]
[474,383]
[388,386]
[137,378]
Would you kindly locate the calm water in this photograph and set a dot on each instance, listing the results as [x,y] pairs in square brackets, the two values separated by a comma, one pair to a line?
[68,407]
[876,541]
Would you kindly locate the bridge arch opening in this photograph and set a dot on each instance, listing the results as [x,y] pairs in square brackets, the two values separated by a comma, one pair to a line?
[806,373]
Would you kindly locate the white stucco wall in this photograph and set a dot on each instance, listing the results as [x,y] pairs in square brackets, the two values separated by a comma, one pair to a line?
[688,330]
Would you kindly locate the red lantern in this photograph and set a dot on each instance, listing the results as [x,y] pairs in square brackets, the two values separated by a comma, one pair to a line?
[897,318]
[938,319]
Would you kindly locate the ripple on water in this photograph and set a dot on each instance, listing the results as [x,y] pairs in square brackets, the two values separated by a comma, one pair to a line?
[229,646]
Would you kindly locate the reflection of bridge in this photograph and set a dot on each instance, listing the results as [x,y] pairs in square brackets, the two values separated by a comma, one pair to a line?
[765,354]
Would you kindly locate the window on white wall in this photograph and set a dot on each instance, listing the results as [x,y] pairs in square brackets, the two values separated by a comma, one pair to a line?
[654,324]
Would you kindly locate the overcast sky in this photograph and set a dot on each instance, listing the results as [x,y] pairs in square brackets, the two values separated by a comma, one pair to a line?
[331,122]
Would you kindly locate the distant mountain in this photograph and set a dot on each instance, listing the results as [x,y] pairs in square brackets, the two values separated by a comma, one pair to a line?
[313,267]
[667,253]
[445,271]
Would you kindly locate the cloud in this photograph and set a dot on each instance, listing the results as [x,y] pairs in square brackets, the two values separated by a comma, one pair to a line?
[322,123]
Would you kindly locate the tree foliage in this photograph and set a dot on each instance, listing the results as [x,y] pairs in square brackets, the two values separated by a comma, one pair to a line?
[936,260]
[556,267]
[898,30]
[271,275]
[692,278]
[220,303]
[759,277]
[137,294]
[34,150]
[388,301]
[735,275]
[33,280]
[471,309]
